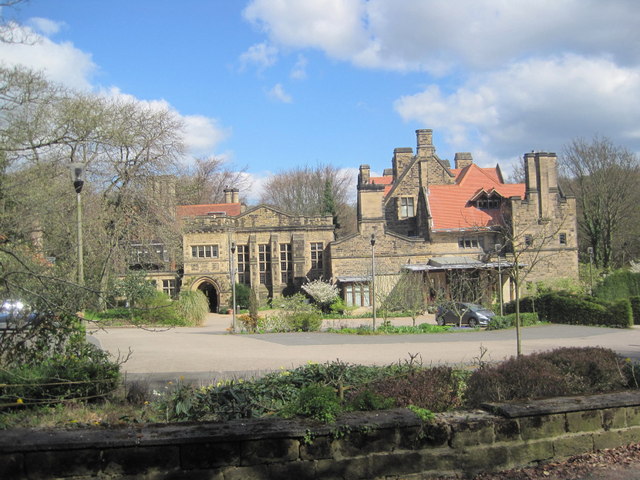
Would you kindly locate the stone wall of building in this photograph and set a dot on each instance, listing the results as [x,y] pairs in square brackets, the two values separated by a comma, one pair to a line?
[261,226]
[361,445]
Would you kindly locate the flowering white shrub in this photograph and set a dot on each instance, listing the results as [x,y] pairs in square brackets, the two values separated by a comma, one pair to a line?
[323,293]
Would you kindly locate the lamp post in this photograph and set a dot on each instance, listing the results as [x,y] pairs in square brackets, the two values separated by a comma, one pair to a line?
[77,177]
[373,278]
[498,247]
[233,286]
[590,250]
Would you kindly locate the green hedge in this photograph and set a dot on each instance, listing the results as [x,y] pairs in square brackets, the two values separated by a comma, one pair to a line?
[507,321]
[620,284]
[527,304]
[559,307]
[635,309]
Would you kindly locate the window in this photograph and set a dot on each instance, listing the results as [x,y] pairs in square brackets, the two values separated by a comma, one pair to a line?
[406,207]
[470,242]
[356,295]
[243,265]
[528,240]
[264,263]
[204,251]
[286,264]
[488,203]
[169,287]
[563,239]
[316,255]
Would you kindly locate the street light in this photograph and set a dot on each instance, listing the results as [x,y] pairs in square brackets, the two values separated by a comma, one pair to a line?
[590,251]
[233,286]
[373,278]
[498,247]
[77,177]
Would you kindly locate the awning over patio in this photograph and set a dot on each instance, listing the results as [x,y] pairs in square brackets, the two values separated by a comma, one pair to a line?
[436,264]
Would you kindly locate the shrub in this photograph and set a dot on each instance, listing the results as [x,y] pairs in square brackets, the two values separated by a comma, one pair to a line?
[527,305]
[297,314]
[618,285]
[570,309]
[635,309]
[243,294]
[437,388]
[564,371]
[507,321]
[323,293]
[192,306]
[158,309]
[316,401]
[82,371]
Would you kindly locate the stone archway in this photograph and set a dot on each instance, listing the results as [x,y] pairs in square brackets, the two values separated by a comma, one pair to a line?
[212,293]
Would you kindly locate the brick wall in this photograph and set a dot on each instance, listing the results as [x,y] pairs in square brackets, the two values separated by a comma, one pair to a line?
[362,445]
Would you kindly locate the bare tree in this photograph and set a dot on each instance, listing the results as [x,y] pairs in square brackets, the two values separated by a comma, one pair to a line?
[409,295]
[604,178]
[528,247]
[205,181]
[311,191]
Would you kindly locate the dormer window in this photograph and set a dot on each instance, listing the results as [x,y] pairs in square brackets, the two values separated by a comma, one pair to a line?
[488,203]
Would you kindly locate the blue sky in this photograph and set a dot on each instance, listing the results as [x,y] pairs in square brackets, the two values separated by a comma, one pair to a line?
[274,84]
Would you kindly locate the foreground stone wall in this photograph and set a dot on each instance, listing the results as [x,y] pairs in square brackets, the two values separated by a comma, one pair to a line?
[376,445]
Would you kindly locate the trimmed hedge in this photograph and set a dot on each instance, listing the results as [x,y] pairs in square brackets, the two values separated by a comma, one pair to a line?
[527,305]
[508,321]
[559,307]
[620,284]
[635,309]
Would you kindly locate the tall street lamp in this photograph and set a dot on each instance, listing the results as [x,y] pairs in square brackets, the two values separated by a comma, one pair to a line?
[373,278]
[498,247]
[233,286]
[77,177]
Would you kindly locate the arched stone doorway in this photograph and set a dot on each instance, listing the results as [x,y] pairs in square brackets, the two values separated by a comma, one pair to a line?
[208,287]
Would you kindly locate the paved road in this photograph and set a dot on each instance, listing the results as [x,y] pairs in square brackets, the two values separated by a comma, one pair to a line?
[203,354]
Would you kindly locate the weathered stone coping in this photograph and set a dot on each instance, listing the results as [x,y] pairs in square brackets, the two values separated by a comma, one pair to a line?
[389,444]
[546,406]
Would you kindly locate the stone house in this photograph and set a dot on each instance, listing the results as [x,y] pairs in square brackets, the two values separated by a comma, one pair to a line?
[422,215]
[271,251]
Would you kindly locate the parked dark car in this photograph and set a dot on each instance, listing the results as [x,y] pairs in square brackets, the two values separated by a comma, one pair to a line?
[472,314]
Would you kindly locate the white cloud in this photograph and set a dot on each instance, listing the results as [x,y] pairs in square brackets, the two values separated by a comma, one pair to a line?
[202,135]
[516,107]
[61,62]
[261,55]
[277,93]
[334,26]
[299,71]
[45,26]
[436,36]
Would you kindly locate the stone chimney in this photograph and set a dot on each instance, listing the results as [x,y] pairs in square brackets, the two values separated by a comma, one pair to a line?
[541,180]
[365,175]
[425,142]
[401,158]
[228,195]
[235,195]
[463,159]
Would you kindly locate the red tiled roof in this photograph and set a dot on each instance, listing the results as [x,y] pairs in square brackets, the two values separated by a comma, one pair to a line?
[230,209]
[387,181]
[449,204]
